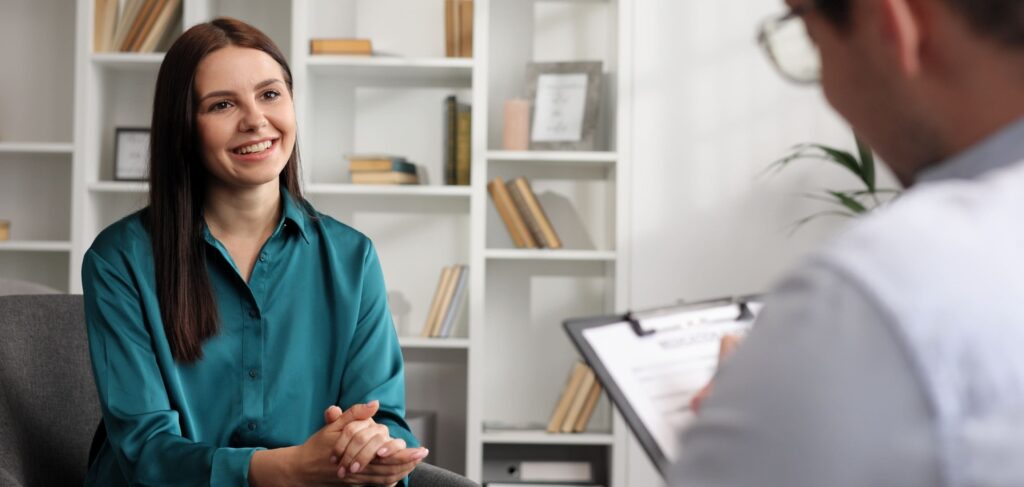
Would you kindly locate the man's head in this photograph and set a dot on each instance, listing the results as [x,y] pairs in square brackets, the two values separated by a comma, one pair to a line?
[920,80]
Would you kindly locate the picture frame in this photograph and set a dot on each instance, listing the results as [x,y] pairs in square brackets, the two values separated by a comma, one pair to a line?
[131,154]
[565,102]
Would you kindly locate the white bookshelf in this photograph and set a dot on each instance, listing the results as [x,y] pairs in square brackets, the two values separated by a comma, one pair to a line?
[387,103]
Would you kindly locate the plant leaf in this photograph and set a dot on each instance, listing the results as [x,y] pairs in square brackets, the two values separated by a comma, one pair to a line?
[807,219]
[867,163]
[842,158]
[849,202]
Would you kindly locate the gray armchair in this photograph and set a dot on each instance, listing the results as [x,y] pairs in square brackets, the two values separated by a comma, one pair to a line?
[48,405]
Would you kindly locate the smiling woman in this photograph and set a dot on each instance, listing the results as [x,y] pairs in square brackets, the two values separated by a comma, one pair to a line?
[237,334]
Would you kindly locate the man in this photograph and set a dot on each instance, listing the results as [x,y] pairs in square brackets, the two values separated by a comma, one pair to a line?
[894,355]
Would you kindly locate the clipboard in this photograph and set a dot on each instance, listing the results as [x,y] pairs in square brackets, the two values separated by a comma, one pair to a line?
[652,362]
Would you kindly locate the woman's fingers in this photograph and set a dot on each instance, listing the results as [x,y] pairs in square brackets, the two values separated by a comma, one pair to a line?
[389,448]
[376,437]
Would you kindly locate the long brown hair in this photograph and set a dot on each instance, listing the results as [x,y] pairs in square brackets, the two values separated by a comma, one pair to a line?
[178,182]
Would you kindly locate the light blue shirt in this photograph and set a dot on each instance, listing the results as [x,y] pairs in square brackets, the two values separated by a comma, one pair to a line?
[892,357]
[310,329]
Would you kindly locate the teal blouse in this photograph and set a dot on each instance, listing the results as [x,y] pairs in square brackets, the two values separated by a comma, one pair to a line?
[310,329]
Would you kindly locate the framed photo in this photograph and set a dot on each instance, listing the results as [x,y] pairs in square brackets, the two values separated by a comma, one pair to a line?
[566,97]
[131,154]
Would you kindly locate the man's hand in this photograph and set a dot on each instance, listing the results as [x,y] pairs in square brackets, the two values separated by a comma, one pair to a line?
[726,348]
[369,455]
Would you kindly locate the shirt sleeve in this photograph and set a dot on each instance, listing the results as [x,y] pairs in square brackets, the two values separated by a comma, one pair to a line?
[820,393]
[143,428]
[375,368]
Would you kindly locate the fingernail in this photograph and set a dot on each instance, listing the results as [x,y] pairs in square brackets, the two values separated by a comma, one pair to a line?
[382,452]
[341,472]
[421,454]
[373,403]
[334,459]
[354,468]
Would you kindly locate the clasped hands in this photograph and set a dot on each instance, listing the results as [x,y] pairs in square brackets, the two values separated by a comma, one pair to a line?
[354,449]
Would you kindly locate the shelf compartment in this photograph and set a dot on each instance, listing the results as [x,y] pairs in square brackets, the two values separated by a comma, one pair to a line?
[55,148]
[551,254]
[408,342]
[35,246]
[540,437]
[398,71]
[386,190]
[600,158]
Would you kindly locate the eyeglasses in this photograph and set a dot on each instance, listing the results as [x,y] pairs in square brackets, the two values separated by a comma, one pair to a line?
[789,48]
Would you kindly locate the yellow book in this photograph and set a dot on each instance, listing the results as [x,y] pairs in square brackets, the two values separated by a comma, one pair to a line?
[390,177]
[588,408]
[103,27]
[510,215]
[578,401]
[350,47]
[435,304]
[571,387]
[551,239]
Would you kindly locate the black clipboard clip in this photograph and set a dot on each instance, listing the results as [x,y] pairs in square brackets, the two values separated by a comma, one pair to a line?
[736,308]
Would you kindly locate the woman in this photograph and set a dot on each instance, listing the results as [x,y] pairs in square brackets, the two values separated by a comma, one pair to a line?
[228,314]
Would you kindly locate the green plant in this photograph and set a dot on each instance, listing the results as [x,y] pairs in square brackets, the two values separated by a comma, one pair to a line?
[846,203]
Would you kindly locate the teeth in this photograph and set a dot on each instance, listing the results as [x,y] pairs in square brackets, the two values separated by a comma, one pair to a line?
[262,146]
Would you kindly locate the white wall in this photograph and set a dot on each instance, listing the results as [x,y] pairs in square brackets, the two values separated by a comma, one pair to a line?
[710,114]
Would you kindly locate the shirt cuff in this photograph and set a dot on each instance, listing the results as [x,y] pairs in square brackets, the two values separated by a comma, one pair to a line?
[231,466]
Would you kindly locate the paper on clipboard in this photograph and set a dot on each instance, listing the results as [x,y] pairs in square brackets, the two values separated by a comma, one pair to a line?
[656,363]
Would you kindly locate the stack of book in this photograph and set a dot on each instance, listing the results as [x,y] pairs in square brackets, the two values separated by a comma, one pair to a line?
[576,406]
[345,47]
[137,27]
[381,169]
[447,303]
[523,216]
[458,28]
[457,156]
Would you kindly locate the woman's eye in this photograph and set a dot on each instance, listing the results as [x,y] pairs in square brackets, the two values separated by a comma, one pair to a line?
[271,95]
[221,105]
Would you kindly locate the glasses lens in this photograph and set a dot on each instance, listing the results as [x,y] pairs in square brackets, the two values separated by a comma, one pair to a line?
[792,50]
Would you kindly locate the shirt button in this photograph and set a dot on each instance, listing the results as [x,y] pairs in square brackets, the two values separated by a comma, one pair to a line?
[254,314]
[253,373]
[252,426]
[263,257]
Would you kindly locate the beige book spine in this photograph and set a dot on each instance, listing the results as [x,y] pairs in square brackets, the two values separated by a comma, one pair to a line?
[160,28]
[446,300]
[466,28]
[513,220]
[562,408]
[103,27]
[588,408]
[124,22]
[515,191]
[435,304]
[147,25]
[578,401]
[136,28]
[538,212]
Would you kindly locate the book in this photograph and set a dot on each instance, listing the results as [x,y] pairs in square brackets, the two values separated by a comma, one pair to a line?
[148,24]
[578,400]
[449,132]
[125,18]
[389,177]
[463,143]
[446,300]
[161,26]
[537,211]
[136,27]
[532,224]
[588,408]
[565,401]
[455,308]
[435,304]
[521,236]
[350,47]
[465,36]
[382,164]
[449,28]
[103,27]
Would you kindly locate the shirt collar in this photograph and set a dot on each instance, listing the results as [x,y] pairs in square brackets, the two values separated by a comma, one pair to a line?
[1003,148]
[294,212]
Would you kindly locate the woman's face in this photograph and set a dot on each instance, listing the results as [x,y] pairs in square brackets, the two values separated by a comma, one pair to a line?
[245,117]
